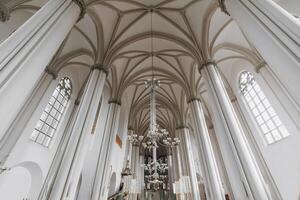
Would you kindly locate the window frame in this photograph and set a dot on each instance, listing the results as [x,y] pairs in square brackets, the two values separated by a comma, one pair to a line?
[53,113]
[264,103]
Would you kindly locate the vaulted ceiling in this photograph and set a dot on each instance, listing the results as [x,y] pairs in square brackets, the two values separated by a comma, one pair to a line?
[117,34]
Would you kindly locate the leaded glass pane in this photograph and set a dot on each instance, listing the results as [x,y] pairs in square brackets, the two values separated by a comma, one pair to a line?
[48,122]
[263,112]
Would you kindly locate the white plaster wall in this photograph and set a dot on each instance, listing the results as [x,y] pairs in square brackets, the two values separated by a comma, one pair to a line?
[15,184]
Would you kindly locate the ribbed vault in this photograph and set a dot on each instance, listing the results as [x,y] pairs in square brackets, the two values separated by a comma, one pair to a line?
[116,34]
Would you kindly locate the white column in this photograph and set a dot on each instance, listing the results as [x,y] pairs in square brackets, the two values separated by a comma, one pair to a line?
[142,176]
[185,142]
[135,160]
[26,53]
[171,174]
[82,134]
[208,161]
[12,135]
[128,148]
[243,155]
[276,37]
[176,164]
[182,154]
[105,156]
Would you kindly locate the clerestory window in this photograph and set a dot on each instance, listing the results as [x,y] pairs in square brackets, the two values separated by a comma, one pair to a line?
[44,130]
[263,112]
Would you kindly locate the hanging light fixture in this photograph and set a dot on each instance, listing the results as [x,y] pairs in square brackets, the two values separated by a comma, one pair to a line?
[155,136]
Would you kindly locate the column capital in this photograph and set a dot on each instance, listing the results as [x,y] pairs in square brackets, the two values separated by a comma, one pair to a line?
[260,65]
[193,99]
[4,12]
[205,63]
[115,101]
[223,7]
[51,72]
[99,67]
[82,7]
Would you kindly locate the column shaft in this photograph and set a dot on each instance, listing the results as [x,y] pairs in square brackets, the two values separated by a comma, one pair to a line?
[207,157]
[100,185]
[171,171]
[244,157]
[27,52]
[187,147]
[81,132]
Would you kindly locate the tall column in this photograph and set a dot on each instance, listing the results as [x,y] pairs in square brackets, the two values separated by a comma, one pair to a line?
[206,154]
[182,155]
[187,148]
[66,182]
[128,148]
[235,134]
[14,132]
[142,175]
[110,133]
[275,29]
[171,172]
[26,53]
[135,160]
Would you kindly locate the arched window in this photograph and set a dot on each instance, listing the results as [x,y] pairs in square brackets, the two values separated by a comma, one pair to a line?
[48,122]
[263,112]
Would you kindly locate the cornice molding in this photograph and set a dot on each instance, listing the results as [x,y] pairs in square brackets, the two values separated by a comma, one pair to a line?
[82,7]
[4,12]
[223,7]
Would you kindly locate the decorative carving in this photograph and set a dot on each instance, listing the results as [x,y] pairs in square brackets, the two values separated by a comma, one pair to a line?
[223,6]
[82,7]
[4,12]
